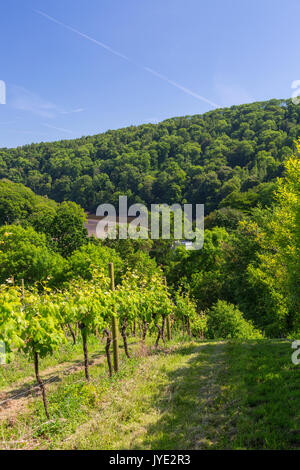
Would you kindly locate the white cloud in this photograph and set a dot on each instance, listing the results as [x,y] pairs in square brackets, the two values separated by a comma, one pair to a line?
[73,111]
[231,94]
[25,100]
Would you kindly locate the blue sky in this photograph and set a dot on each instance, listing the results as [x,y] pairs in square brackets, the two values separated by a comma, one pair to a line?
[80,67]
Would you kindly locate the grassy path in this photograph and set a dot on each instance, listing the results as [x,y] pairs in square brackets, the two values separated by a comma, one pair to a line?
[168,404]
[187,395]
[225,395]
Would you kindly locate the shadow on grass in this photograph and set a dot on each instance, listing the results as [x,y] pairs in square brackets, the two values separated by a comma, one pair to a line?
[22,391]
[31,388]
[233,396]
[184,350]
[180,408]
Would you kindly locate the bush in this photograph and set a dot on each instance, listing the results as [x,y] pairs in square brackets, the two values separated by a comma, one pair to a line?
[90,257]
[225,320]
[25,254]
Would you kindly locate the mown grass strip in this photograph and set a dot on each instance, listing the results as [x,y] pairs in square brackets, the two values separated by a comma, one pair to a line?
[193,395]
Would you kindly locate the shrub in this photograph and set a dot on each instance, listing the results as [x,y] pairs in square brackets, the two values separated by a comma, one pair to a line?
[225,320]
[25,254]
[88,258]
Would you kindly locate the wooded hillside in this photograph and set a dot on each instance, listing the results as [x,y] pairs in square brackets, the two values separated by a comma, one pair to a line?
[226,157]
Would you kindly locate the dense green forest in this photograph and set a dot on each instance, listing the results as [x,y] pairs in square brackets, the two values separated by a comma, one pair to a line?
[243,162]
[226,157]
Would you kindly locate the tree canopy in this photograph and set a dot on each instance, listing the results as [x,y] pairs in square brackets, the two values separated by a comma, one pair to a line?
[226,157]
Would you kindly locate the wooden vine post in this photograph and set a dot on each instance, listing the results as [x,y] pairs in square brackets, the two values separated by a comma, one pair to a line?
[188,326]
[107,350]
[168,328]
[168,319]
[36,362]
[115,332]
[23,290]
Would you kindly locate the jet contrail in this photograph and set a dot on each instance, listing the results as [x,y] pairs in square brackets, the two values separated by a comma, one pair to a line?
[60,129]
[128,59]
[180,87]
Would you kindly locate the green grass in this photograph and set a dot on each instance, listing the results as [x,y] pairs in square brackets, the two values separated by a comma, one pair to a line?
[72,402]
[188,395]
[21,368]
[265,387]
[71,399]
[161,407]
